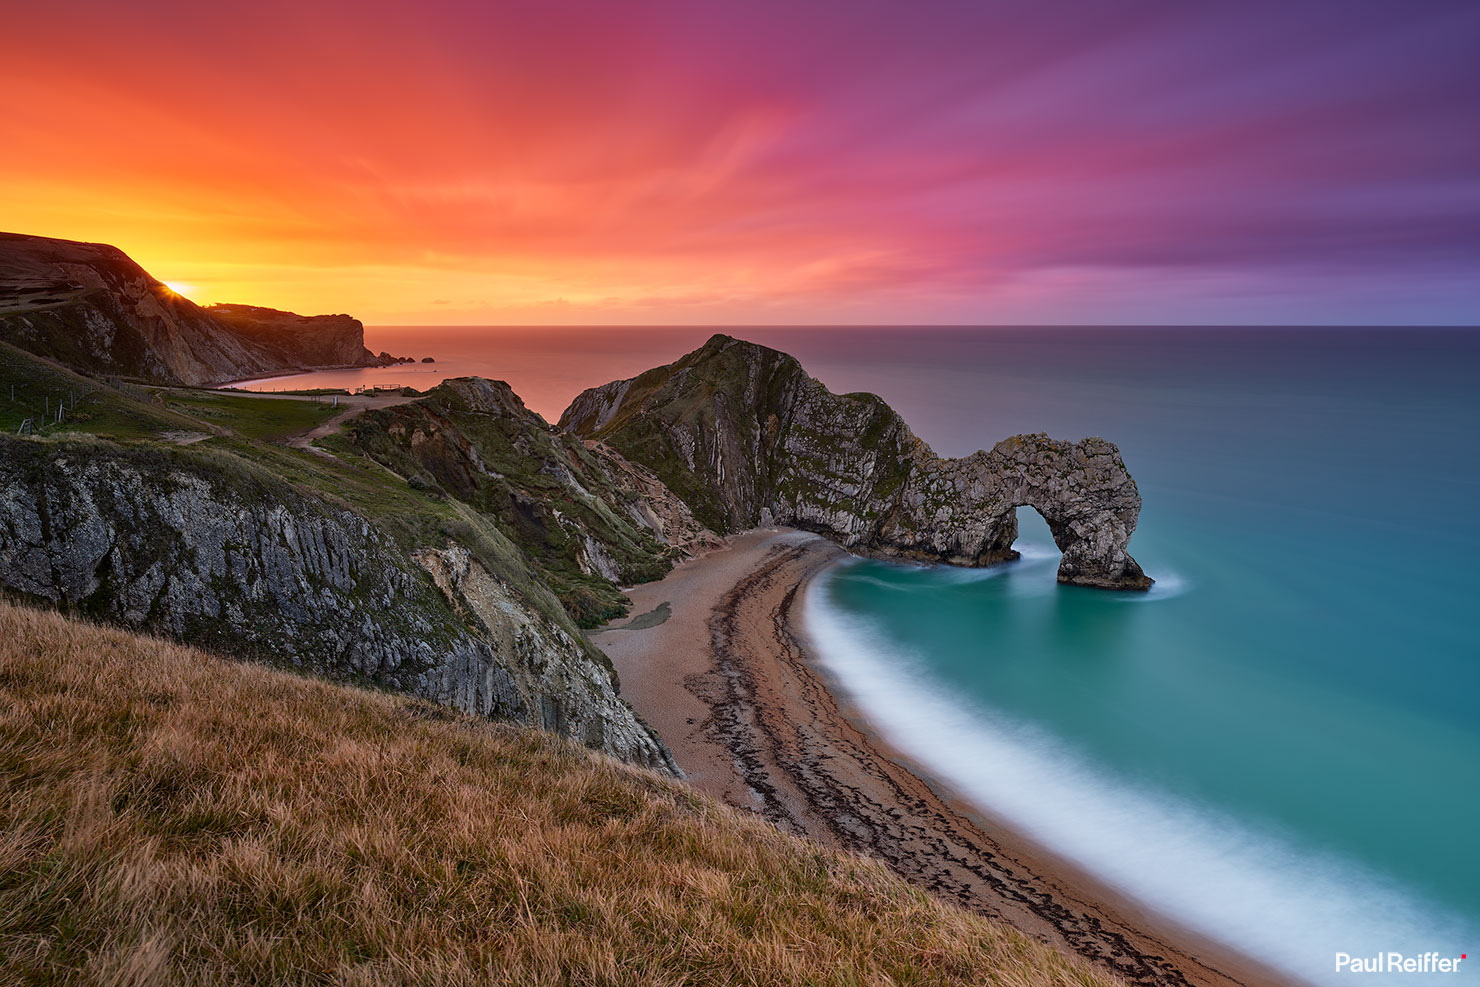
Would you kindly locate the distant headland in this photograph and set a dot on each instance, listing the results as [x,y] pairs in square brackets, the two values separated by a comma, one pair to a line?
[91,308]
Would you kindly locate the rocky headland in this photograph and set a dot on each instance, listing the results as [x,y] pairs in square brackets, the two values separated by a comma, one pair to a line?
[746,437]
[587,520]
[90,307]
[307,342]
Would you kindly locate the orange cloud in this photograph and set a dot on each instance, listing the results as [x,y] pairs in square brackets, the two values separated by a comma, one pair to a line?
[591,162]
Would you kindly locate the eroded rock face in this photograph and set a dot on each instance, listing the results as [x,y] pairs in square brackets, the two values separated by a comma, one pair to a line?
[243,564]
[569,688]
[306,341]
[740,432]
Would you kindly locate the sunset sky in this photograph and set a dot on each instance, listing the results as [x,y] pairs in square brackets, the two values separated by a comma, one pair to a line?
[474,161]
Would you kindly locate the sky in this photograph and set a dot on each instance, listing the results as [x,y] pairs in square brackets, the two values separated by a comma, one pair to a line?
[695,162]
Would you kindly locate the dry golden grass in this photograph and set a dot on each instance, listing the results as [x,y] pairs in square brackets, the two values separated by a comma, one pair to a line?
[168,817]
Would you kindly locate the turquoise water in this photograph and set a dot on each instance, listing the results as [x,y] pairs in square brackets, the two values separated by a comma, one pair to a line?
[1280,744]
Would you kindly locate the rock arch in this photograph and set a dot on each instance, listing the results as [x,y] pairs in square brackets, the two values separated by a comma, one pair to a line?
[964,510]
[1091,503]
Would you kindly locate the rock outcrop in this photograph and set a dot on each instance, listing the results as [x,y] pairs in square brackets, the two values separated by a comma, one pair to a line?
[91,308]
[744,436]
[587,519]
[210,551]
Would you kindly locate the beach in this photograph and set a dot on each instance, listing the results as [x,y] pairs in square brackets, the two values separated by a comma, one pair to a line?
[716,659]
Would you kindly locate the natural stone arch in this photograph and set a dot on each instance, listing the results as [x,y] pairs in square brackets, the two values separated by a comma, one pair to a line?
[965,510]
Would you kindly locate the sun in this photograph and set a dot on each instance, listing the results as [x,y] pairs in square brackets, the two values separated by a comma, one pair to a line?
[180,288]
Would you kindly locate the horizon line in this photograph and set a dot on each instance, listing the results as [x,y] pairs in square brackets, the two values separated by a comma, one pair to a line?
[922,325]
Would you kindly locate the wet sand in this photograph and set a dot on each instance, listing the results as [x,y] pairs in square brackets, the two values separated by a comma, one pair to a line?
[716,661]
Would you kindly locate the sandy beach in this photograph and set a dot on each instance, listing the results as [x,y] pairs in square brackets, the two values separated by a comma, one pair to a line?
[715,659]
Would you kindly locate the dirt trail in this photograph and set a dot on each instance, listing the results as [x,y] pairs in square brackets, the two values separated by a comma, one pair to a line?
[350,405]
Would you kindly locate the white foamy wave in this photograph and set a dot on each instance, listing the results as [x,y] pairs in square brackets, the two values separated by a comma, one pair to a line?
[940,575]
[884,584]
[1034,552]
[953,574]
[1168,585]
[1255,891]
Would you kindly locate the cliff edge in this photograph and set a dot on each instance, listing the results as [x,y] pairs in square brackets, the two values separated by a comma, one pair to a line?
[300,340]
[210,549]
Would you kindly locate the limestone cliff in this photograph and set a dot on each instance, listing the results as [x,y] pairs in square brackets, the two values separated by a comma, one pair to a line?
[301,340]
[205,548]
[91,308]
[744,436]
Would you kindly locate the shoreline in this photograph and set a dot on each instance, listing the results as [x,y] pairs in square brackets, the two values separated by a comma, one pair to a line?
[302,371]
[725,676]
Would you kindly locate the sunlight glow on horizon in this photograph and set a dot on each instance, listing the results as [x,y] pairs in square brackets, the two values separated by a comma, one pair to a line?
[180,288]
[697,163]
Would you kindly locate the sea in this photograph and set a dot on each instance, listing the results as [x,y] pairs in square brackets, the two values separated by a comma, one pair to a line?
[1278,746]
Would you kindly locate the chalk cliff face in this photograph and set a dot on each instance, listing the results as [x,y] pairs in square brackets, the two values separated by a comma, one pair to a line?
[238,561]
[91,308]
[744,436]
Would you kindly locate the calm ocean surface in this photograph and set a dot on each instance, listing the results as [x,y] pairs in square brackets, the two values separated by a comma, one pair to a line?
[1280,744]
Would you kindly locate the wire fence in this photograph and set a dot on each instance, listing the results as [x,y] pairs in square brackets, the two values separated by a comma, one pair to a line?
[55,406]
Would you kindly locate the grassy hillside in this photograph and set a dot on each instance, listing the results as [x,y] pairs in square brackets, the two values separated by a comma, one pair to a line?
[237,433]
[168,817]
[31,388]
[517,515]
[254,417]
